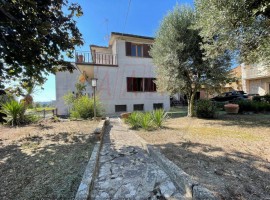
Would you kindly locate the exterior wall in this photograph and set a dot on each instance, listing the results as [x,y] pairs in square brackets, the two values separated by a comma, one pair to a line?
[65,82]
[258,86]
[112,85]
[256,79]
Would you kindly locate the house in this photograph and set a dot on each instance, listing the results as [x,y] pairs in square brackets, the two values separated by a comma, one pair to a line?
[236,85]
[125,74]
[256,79]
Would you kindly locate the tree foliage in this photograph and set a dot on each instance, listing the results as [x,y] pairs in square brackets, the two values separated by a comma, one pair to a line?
[238,26]
[33,36]
[179,58]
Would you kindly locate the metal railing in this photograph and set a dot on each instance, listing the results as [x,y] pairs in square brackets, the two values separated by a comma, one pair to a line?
[98,58]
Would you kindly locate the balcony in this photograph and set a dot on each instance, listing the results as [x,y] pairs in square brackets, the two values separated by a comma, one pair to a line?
[98,58]
[255,72]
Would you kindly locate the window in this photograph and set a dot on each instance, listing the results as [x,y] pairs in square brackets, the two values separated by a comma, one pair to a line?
[120,108]
[141,85]
[138,107]
[158,106]
[149,85]
[137,50]
[134,84]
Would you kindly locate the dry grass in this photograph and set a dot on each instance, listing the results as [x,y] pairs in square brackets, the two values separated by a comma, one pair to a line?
[44,161]
[229,155]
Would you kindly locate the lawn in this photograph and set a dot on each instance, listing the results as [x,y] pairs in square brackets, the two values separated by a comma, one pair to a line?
[45,160]
[229,155]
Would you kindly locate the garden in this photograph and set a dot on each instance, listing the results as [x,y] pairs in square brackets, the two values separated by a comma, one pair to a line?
[44,158]
[227,153]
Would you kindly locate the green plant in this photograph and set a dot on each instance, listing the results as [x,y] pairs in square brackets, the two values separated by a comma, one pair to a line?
[134,119]
[146,121]
[159,116]
[206,109]
[14,111]
[253,106]
[30,118]
[83,107]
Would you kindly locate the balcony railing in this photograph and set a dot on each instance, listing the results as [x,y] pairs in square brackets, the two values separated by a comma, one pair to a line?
[256,72]
[97,58]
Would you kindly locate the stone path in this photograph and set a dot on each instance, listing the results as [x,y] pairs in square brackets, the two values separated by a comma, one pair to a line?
[127,172]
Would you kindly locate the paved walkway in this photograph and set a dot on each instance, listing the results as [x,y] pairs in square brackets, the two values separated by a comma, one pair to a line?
[127,172]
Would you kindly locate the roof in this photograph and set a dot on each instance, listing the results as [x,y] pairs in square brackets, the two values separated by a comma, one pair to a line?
[92,45]
[131,35]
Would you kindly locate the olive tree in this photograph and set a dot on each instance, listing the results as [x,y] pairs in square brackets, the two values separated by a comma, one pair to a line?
[238,26]
[179,58]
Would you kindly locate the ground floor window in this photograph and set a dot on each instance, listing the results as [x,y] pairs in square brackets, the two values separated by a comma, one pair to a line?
[120,108]
[158,106]
[138,107]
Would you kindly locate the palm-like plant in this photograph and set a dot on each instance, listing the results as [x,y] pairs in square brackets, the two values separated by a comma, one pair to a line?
[14,112]
[159,116]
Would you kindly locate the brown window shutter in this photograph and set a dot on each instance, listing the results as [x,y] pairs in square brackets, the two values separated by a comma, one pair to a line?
[128,48]
[146,49]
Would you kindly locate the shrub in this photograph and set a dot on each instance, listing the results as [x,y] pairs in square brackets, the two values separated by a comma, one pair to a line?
[83,107]
[14,111]
[30,118]
[265,98]
[134,119]
[146,121]
[253,106]
[159,116]
[205,109]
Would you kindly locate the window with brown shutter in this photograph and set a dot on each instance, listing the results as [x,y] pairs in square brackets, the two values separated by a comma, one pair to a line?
[149,85]
[128,48]
[146,49]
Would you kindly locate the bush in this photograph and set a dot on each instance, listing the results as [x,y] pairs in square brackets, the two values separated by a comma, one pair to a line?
[134,119]
[265,98]
[206,109]
[159,116]
[83,107]
[14,111]
[145,121]
[253,106]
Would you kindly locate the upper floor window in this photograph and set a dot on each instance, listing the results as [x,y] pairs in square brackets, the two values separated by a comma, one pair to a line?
[137,50]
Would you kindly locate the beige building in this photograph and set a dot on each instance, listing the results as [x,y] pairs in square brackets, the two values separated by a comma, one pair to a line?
[256,79]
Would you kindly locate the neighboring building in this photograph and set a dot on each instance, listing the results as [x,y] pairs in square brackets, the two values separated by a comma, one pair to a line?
[256,79]
[125,74]
[233,86]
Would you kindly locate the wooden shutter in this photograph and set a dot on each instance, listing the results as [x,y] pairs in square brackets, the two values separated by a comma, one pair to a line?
[128,48]
[146,49]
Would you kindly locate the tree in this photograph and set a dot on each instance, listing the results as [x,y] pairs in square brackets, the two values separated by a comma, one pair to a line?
[179,59]
[238,26]
[29,88]
[34,34]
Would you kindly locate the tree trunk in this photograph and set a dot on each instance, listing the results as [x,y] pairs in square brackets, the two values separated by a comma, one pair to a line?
[191,105]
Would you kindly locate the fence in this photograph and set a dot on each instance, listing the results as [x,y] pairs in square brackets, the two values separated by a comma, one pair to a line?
[44,113]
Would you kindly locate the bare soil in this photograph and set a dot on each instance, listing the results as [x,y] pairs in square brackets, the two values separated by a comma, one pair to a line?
[44,160]
[229,155]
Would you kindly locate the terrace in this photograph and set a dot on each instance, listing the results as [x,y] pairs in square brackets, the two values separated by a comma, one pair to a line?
[95,58]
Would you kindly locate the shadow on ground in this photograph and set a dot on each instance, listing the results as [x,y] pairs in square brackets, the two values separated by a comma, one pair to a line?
[47,167]
[234,175]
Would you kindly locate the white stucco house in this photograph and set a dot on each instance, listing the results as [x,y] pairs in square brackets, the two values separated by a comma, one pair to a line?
[256,79]
[125,74]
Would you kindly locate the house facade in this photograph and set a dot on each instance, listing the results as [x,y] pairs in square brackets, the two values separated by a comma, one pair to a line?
[125,74]
[256,79]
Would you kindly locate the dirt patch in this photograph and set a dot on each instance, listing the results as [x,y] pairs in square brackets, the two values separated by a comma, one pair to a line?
[45,160]
[230,155]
